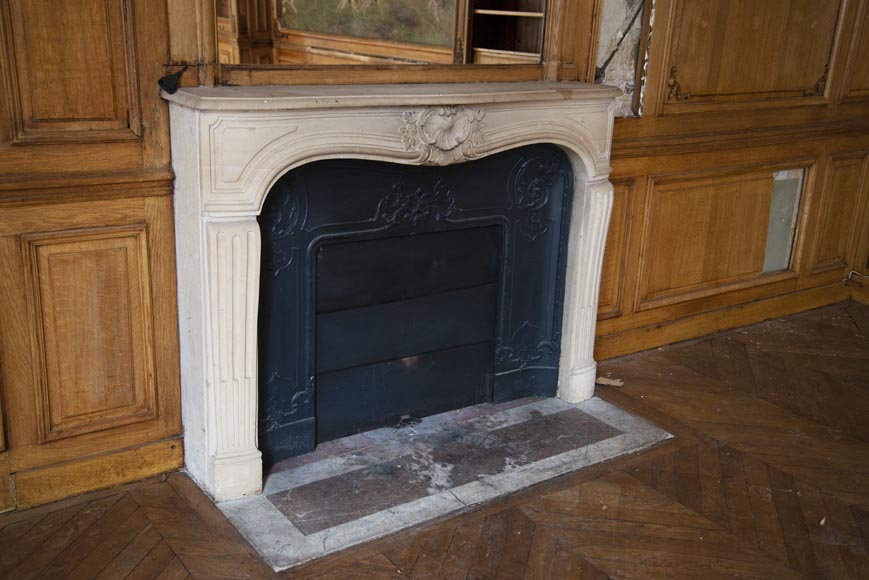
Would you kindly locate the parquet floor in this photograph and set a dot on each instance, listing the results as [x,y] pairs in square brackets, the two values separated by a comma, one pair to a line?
[768,478]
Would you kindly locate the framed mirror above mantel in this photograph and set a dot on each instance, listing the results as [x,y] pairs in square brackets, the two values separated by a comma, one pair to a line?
[292,42]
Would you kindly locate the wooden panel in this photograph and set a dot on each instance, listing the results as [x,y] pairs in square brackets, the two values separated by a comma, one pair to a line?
[73,66]
[860,292]
[2,427]
[741,50]
[857,83]
[837,213]
[7,494]
[90,293]
[704,233]
[41,486]
[37,310]
[7,488]
[612,276]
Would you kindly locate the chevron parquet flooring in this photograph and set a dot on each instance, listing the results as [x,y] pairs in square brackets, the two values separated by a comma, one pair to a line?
[768,477]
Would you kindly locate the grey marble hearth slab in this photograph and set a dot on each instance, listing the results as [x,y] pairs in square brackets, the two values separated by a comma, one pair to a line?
[448,462]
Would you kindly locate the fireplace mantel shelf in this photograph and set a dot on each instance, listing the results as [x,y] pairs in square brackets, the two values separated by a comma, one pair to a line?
[284,98]
[231,144]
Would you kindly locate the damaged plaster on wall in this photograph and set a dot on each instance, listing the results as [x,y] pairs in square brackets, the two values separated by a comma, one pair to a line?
[618,49]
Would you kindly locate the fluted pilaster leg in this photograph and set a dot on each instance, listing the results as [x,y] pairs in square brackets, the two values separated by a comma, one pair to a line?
[233,268]
[589,222]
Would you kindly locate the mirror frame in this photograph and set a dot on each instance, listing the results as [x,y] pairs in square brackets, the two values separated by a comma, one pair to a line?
[569,46]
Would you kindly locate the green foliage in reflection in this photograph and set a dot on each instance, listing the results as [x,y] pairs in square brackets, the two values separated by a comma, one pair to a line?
[418,21]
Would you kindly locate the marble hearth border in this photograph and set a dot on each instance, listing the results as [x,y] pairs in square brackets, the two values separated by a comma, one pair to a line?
[283,545]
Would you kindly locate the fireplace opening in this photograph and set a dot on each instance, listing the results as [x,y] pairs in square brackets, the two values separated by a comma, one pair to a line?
[405,327]
[390,291]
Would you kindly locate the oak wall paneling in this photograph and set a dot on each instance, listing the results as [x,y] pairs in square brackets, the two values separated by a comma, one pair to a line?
[685,127]
[7,490]
[193,41]
[3,448]
[704,232]
[859,257]
[838,215]
[89,374]
[91,311]
[75,395]
[72,71]
[618,236]
[856,85]
[726,54]
[78,87]
[744,101]
[644,321]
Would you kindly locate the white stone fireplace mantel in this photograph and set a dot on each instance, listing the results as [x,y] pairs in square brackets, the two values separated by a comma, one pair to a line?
[231,144]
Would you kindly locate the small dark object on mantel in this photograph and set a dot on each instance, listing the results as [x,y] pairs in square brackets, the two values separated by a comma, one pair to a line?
[171,82]
[407,421]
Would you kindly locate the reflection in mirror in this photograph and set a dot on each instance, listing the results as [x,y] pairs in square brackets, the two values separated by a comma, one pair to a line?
[319,32]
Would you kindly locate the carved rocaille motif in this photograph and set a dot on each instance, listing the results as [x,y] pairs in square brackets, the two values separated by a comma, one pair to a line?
[443,135]
[674,88]
[283,223]
[530,188]
[820,85]
[417,206]
[526,347]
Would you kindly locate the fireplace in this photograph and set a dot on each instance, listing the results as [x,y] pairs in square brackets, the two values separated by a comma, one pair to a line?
[235,147]
[391,291]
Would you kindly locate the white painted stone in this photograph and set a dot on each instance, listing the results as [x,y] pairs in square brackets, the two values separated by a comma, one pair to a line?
[231,144]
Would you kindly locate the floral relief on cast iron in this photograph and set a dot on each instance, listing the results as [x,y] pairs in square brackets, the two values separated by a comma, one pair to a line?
[417,206]
[283,222]
[279,415]
[531,187]
[526,348]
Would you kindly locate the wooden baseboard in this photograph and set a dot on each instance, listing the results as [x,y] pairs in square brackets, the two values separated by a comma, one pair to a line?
[644,338]
[40,486]
[7,494]
[860,292]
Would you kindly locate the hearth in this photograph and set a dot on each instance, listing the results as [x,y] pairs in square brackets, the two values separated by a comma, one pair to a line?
[232,145]
[390,291]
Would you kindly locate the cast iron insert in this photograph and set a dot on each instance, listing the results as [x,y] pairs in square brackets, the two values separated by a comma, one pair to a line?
[389,290]
[405,327]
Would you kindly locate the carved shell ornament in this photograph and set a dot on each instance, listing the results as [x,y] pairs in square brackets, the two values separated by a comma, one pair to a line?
[443,135]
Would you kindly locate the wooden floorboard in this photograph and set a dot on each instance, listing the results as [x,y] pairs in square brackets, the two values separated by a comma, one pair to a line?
[768,477]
